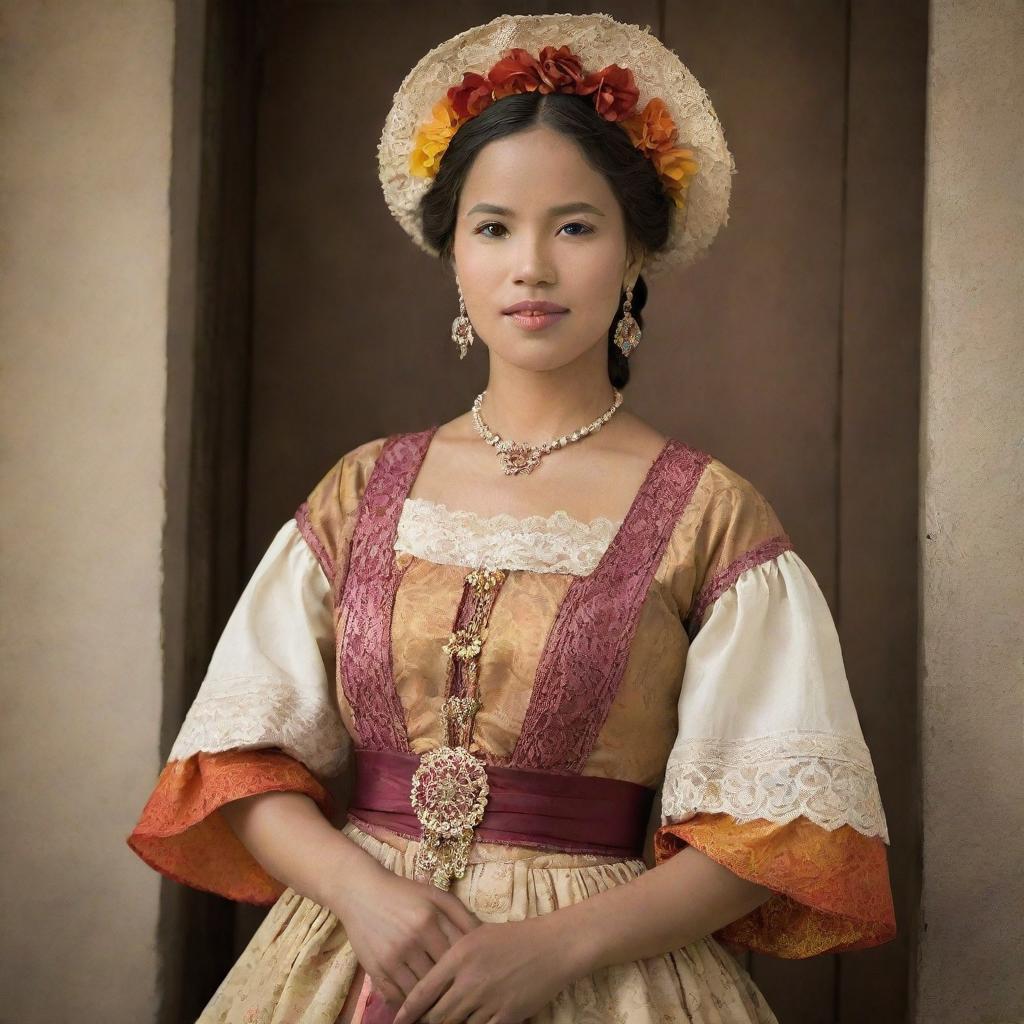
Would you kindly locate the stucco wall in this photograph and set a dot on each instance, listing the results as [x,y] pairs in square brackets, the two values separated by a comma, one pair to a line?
[85,94]
[972,452]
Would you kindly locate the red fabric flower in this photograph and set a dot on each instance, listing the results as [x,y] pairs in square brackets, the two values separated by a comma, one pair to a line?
[614,90]
[472,97]
[560,69]
[517,71]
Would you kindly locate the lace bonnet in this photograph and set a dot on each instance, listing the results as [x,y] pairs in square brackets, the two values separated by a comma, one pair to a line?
[598,41]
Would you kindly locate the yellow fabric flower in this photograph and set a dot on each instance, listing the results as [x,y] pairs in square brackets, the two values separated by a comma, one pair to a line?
[433,138]
[676,167]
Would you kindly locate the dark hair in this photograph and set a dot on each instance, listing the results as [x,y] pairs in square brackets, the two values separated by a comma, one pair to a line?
[605,145]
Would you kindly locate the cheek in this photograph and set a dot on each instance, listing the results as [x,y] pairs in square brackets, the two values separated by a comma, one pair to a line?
[597,268]
[480,269]
[598,281]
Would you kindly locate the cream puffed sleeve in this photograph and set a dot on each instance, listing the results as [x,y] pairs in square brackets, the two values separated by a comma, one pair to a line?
[270,682]
[767,723]
[769,774]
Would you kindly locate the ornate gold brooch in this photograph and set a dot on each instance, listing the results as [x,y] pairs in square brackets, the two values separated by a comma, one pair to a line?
[449,793]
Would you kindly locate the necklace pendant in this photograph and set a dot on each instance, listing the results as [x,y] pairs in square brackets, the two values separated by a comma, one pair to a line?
[517,457]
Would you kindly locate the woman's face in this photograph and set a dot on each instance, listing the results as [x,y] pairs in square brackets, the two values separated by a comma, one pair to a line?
[536,222]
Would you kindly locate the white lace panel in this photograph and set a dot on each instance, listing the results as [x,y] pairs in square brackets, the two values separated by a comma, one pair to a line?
[767,724]
[555,543]
[269,683]
[826,778]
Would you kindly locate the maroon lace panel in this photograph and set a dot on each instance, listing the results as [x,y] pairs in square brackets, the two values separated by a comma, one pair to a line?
[721,581]
[314,542]
[585,653]
[368,598]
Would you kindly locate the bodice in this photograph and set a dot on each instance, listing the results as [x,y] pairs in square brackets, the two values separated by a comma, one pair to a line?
[585,645]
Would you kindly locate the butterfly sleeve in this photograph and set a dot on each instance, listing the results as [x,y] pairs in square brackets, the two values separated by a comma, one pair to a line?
[769,774]
[266,716]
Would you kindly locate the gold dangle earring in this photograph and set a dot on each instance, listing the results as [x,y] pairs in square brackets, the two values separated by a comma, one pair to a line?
[627,330]
[462,329]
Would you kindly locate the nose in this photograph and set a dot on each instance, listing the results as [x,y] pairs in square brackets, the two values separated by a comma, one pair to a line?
[534,263]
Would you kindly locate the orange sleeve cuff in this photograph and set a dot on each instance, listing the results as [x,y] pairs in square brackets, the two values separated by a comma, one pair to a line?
[181,834]
[832,889]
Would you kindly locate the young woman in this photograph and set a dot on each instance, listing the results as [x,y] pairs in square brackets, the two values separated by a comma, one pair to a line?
[519,627]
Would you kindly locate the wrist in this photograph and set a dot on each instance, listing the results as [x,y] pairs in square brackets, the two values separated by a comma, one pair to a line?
[570,940]
[349,873]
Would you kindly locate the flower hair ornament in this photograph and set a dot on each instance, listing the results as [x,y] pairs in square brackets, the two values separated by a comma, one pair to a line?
[627,73]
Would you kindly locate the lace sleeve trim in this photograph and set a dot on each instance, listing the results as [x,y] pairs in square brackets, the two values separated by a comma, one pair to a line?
[250,713]
[827,778]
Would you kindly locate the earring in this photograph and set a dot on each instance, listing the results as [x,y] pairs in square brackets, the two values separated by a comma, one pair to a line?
[627,330]
[462,329]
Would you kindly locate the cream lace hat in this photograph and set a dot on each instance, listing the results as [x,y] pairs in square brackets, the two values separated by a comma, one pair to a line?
[598,40]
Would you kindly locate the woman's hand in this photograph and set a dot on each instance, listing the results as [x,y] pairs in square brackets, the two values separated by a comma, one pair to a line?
[494,974]
[399,928]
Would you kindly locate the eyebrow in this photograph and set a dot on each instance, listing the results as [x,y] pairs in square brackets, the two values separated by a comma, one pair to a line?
[554,211]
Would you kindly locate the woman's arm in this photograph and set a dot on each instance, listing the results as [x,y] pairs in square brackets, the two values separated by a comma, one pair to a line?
[681,900]
[290,837]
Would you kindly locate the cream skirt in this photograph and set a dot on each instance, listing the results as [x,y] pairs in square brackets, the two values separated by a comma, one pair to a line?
[299,968]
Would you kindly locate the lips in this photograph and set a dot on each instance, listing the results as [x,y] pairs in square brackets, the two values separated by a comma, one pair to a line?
[535,321]
[534,307]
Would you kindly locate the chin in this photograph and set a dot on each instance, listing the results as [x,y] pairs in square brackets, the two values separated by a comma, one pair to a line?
[540,358]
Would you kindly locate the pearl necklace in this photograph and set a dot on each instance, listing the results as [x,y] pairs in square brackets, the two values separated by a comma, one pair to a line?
[518,457]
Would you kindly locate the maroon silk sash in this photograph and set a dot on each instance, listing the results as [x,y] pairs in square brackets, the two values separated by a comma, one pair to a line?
[525,807]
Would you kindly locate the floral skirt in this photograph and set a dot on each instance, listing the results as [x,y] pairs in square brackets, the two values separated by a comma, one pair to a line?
[299,967]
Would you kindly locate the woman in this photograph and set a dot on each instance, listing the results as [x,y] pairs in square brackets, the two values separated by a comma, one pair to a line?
[517,640]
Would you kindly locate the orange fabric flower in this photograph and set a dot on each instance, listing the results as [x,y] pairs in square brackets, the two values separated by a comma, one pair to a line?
[614,90]
[676,167]
[652,130]
[433,138]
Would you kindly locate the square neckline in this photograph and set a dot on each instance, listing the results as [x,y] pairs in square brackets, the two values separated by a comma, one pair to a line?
[619,535]
[479,517]
[557,544]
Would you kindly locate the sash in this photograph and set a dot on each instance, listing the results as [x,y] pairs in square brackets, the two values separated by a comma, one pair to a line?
[525,807]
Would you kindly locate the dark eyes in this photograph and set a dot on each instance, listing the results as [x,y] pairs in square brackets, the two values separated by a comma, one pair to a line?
[482,229]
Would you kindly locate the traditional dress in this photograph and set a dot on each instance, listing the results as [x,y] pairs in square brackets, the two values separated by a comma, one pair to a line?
[685,651]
